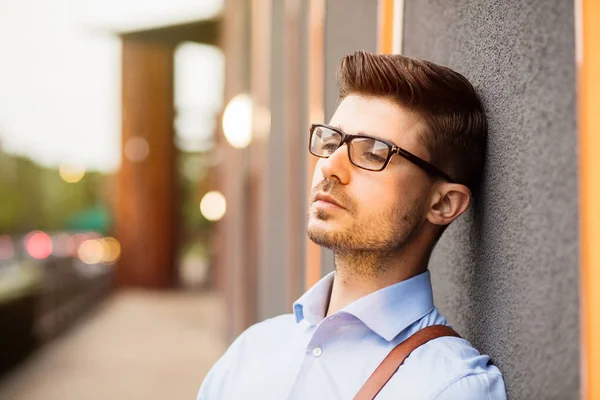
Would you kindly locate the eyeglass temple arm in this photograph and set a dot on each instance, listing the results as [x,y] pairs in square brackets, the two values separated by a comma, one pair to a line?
[432,169]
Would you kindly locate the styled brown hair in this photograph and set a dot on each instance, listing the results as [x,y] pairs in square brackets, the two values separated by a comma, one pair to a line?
[451,109]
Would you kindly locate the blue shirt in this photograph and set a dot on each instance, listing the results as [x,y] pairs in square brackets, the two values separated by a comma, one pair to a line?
[307,356]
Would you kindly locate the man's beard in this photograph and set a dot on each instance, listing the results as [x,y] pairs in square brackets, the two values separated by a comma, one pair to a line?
[380,235]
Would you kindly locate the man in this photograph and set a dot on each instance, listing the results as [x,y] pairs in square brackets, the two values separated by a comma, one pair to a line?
[399,161]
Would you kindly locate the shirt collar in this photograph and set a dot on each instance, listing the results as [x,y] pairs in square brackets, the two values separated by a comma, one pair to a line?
[387,312]
[312,306]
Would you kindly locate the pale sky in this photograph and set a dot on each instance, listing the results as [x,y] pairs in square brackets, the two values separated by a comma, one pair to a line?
[60,74]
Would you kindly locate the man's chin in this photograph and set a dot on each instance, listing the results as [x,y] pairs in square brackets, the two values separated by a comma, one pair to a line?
[323,232]
[320,238]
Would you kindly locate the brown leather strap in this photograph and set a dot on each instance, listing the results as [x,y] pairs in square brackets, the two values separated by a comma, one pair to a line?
[396,357]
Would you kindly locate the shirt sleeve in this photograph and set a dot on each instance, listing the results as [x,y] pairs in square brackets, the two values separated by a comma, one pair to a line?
[483,386]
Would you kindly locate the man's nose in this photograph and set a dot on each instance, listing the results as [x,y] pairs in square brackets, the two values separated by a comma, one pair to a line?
[337,166]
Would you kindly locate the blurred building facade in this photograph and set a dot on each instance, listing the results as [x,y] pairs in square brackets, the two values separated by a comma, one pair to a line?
[507,274]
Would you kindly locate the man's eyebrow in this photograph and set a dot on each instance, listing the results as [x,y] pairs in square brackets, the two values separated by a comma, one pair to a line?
[361,133]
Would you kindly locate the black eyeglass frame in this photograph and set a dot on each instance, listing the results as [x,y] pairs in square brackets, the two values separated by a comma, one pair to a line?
[393,149]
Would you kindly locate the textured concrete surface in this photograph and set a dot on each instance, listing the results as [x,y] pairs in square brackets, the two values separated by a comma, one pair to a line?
[507,274]
[138,345]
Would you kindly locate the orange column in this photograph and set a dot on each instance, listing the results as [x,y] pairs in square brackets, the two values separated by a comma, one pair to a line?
[146,217]
[588,60]
[385,36]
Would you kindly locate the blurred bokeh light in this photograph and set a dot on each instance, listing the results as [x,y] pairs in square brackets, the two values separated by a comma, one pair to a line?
[237,121]
[213,206]
[91,251]
[111,249]
[38,244]
[71,172]
[137,149]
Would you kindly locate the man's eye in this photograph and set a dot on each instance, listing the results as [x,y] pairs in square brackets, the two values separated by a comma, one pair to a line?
[370,156]
[330,147]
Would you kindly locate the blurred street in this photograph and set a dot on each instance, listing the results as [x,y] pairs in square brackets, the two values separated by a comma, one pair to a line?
[136,345]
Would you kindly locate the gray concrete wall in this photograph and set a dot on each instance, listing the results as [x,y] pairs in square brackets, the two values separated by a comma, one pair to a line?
[506,274]
[350,25]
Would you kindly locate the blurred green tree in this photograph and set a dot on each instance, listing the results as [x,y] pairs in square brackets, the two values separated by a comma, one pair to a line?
[36,197]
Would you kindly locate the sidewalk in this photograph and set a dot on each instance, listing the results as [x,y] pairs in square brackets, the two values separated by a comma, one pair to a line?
[137,345]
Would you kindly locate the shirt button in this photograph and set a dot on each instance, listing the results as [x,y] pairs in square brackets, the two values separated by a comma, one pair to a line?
[317,351]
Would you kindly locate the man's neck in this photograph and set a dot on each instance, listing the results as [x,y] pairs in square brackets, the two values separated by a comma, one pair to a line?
[360,274]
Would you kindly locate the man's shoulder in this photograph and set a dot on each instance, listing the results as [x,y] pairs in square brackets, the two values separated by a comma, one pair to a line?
[449,351]
[450,359]
[447,365]
[463,369]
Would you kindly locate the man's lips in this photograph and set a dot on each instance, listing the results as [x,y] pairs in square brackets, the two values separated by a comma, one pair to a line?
[327,199]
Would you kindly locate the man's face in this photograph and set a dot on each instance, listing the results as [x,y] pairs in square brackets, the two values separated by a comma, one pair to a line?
[378,211]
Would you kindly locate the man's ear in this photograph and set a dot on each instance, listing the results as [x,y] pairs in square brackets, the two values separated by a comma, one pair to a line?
[448,202]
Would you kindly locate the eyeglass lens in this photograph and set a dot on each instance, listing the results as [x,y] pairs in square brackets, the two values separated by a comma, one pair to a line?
[366,153]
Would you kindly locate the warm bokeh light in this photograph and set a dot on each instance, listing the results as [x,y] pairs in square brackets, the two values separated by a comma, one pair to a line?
[38,245]
[91,251]
[237,121]
[112,249]
[7,249]
[213,206]
[136,149]
[71,172]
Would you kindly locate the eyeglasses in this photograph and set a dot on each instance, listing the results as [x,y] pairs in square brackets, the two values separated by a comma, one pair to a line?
[364,151]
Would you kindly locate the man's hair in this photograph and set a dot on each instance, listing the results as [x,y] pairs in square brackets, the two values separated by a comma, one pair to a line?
[456,126]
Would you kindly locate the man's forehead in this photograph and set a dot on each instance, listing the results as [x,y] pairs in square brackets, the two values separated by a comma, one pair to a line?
[378,117]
